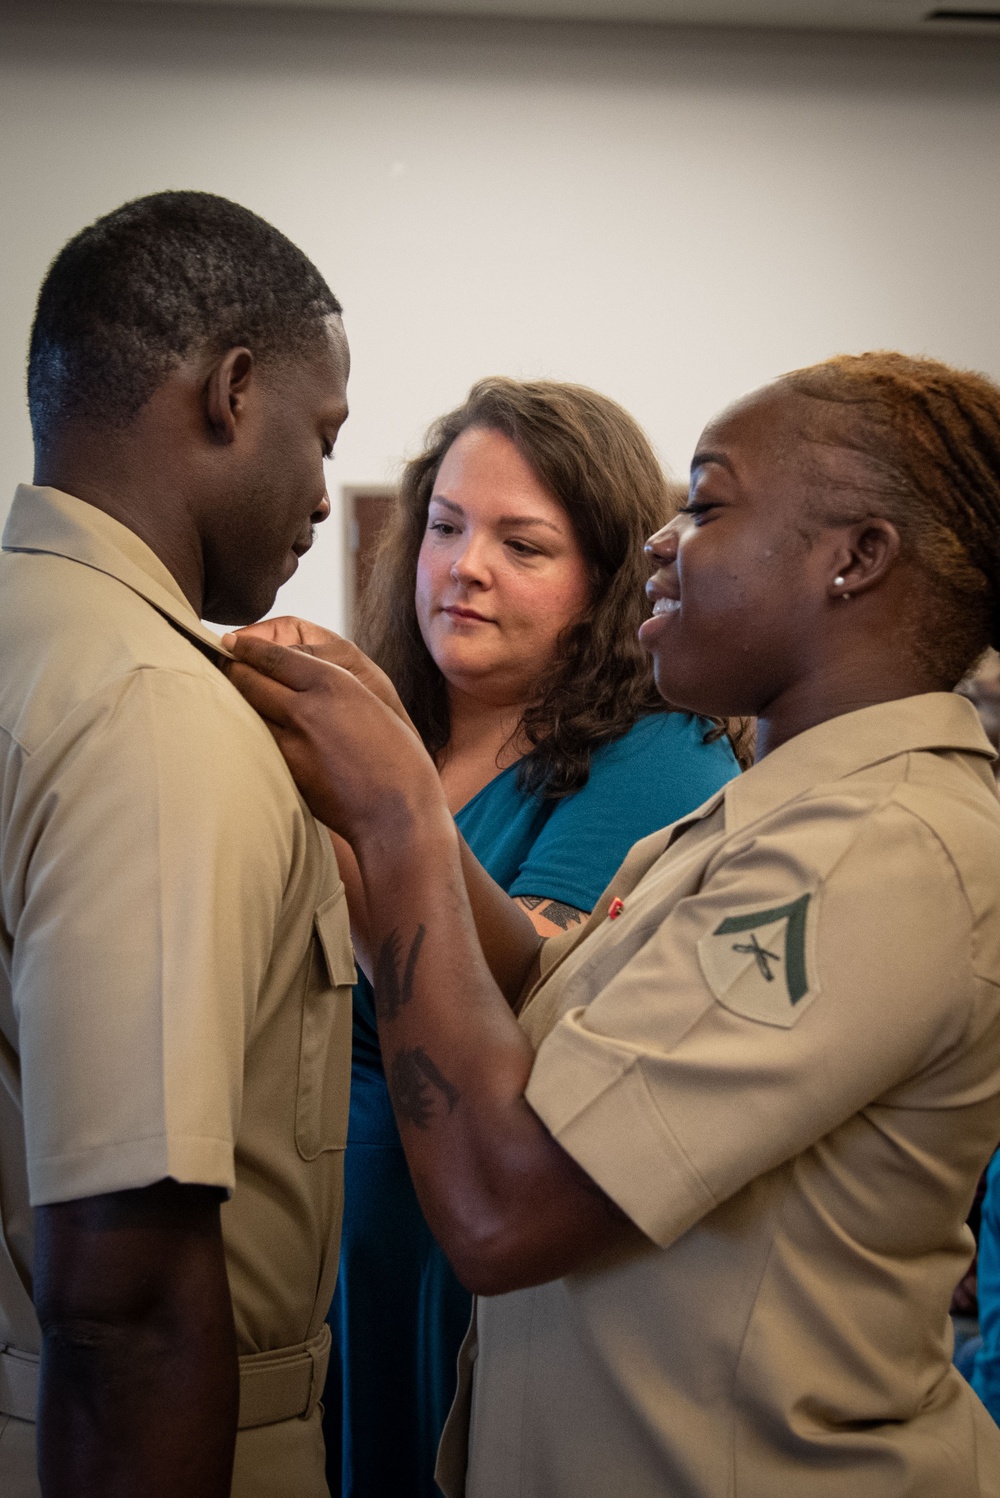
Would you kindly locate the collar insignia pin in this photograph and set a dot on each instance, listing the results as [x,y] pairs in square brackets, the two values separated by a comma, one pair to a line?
[615,908]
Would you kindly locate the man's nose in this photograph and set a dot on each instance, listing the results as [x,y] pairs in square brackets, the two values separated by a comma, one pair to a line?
[322,510]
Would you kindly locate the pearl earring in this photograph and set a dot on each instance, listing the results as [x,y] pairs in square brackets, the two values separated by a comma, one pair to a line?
[838,582]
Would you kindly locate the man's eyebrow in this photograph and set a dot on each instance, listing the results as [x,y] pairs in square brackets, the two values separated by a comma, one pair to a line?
[700,459]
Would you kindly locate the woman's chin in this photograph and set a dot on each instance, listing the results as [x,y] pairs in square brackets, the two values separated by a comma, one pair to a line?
[688,696]
[451,662]
[466,671]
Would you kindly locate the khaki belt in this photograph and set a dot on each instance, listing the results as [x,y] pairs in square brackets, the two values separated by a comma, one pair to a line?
[285,1384]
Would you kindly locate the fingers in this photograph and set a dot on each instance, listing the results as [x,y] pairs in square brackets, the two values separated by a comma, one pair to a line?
[277,631]
[264,629]
[292,668]
[274,702]
[287,630]
[286,686]
[314,634]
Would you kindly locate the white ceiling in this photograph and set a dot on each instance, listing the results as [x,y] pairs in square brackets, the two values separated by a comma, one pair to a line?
[854,15]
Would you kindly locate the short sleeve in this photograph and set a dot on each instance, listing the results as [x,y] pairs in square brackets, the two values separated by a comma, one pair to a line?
[761,1013]
[659,771]
[148,846]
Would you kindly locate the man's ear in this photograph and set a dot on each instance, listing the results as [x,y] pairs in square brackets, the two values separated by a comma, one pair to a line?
[225,393]
[868,551]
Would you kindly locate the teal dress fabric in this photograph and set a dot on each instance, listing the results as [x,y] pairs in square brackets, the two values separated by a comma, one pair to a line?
[399,1314]
[986,1373]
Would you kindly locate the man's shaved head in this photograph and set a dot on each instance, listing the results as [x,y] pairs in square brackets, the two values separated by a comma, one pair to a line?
[163,277]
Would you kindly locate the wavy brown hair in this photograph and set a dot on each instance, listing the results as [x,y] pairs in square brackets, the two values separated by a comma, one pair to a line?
[595,460]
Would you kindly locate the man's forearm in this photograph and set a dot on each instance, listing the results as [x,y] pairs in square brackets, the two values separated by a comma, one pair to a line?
[134,1412]
[139,1376]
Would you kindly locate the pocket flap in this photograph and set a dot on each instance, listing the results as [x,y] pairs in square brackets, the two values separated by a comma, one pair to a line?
[334,932]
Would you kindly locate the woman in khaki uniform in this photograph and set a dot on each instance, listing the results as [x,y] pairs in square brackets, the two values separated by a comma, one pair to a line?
[711,1186]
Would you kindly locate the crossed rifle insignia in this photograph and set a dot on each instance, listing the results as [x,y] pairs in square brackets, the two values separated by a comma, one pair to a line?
[794,914]
[761,955]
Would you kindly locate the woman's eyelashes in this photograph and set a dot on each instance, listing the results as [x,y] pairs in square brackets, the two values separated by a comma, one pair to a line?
[698,507]
[523,550]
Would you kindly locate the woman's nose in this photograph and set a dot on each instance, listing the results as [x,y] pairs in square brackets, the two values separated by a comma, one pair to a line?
[468,565]
[662,547]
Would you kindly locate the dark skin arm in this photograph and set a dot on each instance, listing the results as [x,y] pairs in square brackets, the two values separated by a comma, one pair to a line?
[509,941]
[139,1374]
[509,1206]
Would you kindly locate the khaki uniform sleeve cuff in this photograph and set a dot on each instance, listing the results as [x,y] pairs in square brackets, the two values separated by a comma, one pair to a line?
[594,1100]
[130,1165]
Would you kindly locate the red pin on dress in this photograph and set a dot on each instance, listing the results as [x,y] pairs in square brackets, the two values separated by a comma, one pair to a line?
[615,908]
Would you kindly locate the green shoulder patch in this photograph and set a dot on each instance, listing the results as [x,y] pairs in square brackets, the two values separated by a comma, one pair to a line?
[756,961]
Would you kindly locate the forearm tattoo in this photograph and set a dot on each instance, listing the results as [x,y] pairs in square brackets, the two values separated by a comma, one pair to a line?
[555,911]
[392,991]
[415,1084]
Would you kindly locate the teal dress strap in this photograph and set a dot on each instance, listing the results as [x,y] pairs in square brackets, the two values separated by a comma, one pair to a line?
[399,1314]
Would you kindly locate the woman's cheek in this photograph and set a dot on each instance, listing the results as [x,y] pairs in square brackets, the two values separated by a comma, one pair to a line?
[423,598]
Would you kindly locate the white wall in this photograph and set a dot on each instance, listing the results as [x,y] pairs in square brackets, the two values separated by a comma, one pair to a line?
[670,216]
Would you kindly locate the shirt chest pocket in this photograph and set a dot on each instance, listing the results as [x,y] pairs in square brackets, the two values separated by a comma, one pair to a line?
[323,1094]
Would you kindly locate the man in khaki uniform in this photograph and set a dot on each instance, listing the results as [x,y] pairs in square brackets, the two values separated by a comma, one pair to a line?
[175,961]
[826,932]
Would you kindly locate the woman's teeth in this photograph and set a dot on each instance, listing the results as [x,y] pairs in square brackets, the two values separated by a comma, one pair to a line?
[666,606]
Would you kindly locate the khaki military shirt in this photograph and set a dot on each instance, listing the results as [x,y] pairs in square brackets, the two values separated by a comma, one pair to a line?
[175,962]
[782,1060]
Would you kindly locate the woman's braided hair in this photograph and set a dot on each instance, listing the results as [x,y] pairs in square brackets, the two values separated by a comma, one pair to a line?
[929,437]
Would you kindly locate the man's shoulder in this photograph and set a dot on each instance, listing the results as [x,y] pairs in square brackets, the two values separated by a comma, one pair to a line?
[71,635]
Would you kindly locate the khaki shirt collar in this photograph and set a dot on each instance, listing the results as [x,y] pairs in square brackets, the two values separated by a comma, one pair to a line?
[47,520]
[855,741]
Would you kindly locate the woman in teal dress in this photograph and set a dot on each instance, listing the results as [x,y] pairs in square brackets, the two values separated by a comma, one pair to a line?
[504,607]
